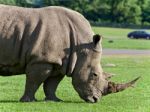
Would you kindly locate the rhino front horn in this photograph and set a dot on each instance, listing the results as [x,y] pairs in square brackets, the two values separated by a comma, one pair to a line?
[114,88]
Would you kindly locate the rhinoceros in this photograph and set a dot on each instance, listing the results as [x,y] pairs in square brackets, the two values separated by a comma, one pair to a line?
[48,43]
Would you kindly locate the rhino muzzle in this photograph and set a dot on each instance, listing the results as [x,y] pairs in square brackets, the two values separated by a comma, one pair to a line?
[92,99]
[111,88]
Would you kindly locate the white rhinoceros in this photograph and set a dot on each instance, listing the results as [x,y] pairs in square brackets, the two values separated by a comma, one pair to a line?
[47,43]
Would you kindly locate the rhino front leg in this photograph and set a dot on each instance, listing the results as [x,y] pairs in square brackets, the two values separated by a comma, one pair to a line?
[35,76]
[30,89]
[50,86]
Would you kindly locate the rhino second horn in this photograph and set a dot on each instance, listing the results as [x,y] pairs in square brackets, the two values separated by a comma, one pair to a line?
[114,88]
[108,75]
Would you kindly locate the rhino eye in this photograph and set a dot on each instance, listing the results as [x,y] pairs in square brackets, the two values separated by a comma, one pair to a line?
[94,74]
[88,66]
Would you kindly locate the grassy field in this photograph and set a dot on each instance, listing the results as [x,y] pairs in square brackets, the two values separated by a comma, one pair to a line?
[127,67]
[8,2]
[132,100]
[120,40]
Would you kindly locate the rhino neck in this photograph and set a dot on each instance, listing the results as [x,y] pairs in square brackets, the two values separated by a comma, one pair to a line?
[75,55]
[72,51]
[80,38]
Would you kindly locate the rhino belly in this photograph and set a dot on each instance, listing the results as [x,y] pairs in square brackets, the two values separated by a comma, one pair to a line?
[9,60]
[9,70]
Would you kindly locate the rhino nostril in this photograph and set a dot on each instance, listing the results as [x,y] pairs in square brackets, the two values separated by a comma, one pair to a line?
[92,99]
[95,99]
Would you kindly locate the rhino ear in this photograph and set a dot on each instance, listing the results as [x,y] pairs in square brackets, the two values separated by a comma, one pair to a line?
[96,40]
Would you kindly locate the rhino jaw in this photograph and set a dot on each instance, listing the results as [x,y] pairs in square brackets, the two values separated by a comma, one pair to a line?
[114,88]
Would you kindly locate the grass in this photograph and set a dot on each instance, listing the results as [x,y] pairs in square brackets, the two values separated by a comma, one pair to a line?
[127,67]
[131,100]
[8,2]
[120,40]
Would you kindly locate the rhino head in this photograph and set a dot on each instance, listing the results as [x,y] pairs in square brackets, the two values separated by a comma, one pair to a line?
[88,78]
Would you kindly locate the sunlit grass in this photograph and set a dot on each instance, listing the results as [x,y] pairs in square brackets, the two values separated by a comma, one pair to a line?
[119,38]
[131,100]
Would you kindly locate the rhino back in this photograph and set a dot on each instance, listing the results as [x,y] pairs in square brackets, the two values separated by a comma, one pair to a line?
[39,35]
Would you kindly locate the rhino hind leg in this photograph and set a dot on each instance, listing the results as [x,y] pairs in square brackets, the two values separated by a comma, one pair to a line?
[35,76]
[50,87]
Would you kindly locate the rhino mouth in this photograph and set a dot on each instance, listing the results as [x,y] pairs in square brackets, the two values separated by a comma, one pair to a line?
[89,95]
[92,99]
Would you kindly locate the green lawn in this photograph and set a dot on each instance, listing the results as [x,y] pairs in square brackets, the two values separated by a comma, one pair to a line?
[132,100]
[120,40]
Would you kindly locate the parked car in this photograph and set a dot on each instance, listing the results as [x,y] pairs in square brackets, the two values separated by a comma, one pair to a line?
[139,34]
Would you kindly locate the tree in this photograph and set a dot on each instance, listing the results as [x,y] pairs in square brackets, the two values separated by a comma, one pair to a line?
[144,5]
[102,11]
[125,11]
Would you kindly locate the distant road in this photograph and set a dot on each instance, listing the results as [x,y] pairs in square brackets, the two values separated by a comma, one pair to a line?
[125,52]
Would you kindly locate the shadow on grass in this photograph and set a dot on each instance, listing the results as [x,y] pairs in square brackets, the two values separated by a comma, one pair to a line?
[9,101]
[75,102]
[42,101]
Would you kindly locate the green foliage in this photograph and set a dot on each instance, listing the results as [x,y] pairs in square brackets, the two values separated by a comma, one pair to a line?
[9,2]
[102,11]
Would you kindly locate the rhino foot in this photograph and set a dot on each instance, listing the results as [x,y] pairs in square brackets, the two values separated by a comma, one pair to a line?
[55,99]
[27,99]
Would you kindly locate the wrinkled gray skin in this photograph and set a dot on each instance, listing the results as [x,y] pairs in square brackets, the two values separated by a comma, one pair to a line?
[47,43]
